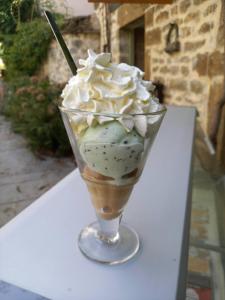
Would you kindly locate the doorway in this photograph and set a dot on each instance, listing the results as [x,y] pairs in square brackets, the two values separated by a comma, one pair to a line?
[132,43]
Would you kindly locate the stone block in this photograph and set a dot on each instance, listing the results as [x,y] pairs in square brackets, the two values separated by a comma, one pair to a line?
[164,70]
[178,99]
[159,7]
[205,27]
[155,60]
[149,18]
[184,70]
[210,9]
[159,79]
[153,37]
[196,86]
[220,40]
[155,69]
[200,64]
[178,84]
[174,70]
[128,13]
[174,10]
[216,64]
[184,5]
[178,21]
[77,44]
[162,16]
[193,16]
[185,59]
[192,46]
[185,31]
[198,265]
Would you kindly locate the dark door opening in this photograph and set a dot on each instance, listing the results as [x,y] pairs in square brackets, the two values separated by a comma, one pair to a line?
[132,43]
[139,47]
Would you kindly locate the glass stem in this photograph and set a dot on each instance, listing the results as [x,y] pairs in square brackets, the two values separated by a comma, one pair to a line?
[109,230]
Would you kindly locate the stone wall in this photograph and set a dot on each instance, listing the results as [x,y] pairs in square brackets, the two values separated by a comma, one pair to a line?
[80,34]
[56,67]
[193,76]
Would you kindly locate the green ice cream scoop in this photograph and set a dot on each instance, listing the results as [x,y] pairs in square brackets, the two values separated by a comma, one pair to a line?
[110,150]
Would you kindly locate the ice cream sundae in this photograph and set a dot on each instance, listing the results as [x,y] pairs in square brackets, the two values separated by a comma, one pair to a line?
[112,117]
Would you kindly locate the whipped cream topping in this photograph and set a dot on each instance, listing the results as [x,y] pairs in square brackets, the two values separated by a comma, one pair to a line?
[104,87]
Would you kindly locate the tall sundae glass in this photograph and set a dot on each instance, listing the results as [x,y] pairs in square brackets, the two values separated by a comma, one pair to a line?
[111,117]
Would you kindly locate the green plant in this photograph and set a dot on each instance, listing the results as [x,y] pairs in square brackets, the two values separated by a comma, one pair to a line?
[13,12]
[32,107]
[24,10]
[25,51]
[31,104]
[7,21]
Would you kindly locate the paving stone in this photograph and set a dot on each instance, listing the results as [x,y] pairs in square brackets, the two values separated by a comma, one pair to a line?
[201,195]
[205,267]
[54,171]
[28,189]
[17,161]
[10,210]
[198,232]
[200,215]
[20,161]
[23,176]
[199,265]
[12,144]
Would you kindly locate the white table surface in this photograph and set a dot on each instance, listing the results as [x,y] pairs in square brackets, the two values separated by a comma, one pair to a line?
[38,248]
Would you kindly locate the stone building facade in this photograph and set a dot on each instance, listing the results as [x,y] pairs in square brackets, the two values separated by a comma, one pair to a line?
[191,76]
[80,34]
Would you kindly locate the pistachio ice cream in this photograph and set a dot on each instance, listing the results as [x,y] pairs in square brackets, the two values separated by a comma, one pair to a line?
[111,151]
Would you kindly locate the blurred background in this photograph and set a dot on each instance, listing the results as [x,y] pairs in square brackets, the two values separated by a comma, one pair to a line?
[180,47]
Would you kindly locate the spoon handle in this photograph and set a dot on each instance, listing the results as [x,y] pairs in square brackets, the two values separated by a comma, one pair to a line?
[61,42]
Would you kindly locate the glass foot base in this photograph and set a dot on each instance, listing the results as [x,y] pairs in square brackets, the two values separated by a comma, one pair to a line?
[123,249]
